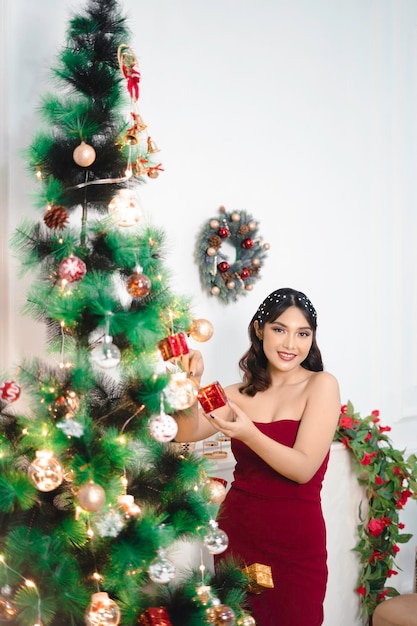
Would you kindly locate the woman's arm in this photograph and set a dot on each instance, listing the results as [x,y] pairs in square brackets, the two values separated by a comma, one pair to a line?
[315,435]
[193,425]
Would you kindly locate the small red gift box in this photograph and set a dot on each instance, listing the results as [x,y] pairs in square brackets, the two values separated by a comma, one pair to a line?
[212,397]
[172,346]
[154,616]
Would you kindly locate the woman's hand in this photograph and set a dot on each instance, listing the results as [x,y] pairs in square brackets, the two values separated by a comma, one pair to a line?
[233,423]
[193,364]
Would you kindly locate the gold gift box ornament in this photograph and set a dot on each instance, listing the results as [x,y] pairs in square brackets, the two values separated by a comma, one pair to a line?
[259,577]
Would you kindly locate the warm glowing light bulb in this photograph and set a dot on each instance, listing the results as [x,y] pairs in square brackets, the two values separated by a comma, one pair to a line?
[30,584]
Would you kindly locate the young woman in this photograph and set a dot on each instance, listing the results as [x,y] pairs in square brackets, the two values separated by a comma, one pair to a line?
[281,419]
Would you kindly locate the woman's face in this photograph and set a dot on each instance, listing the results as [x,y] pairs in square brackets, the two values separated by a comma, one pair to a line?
[287,340]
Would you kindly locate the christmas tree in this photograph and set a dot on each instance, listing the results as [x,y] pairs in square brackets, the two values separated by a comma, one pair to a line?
[93,490]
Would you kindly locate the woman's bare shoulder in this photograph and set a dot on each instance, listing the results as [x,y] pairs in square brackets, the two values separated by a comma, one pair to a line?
[232,391]
[323,381]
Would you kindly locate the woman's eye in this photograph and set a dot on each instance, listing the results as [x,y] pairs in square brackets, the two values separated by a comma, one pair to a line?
[304,334]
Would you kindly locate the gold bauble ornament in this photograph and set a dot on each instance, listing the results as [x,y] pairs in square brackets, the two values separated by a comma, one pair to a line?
[91,497]
[216,488]
[201,330]
[266,246]
[235,217]
[211,251]
[214,224]
[230,284]
[252,225]
[215,290]
[46,471]
[249,287]
[220,615]
[84,155]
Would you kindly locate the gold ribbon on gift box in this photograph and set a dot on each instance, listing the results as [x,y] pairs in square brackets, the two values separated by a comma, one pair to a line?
[259,577]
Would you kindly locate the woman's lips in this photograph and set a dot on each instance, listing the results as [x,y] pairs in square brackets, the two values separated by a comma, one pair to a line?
[286,356]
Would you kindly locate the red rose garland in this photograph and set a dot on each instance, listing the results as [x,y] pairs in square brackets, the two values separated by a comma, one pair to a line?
[222,277]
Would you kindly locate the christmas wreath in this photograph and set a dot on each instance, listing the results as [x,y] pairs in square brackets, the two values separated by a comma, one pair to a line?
[220,276]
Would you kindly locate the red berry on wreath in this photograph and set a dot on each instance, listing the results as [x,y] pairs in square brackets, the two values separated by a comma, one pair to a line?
[9,391]
[72,269]
[247,243]
[245,273]
[223,232]
[223,266]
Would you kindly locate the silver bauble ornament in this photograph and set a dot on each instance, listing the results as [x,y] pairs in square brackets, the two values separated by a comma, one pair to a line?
[91,497]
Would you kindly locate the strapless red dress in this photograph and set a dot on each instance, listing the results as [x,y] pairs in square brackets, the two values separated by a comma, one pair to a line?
[275,521]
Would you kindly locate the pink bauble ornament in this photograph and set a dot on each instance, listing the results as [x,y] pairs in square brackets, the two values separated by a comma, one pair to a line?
[9,391]
[72,269]
[163,427]
[84,155]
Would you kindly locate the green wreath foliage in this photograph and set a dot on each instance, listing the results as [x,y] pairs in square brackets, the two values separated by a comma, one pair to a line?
[389,480]
[222,277]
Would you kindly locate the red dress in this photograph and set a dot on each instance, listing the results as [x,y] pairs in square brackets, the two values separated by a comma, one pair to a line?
[275,521]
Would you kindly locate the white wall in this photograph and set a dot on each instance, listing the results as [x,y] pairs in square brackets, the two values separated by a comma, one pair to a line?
[304,114]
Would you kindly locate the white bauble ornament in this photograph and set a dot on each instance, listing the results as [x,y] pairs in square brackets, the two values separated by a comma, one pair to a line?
[124,208]
[102,611]
[106,355]
[216,540]
[181,391]
[161,569]
[163,427]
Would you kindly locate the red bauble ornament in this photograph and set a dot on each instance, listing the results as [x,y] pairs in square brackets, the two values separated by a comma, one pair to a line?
[138,285]
[223,232]
[223,266]
[247,243]
[72,269]
[245,273]
[9,391]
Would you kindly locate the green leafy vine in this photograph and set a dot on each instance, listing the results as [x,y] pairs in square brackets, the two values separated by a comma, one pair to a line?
[389,480]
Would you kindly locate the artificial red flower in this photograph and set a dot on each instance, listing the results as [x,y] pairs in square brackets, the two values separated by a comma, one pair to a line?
[346,422]
[343,409]
[401,525]
[367,458]
[379,481]
[384,429]
[376,525]
[402,500]
[368,437]
[391,572]
[382,595]
[375,413]
[361,590]
[345,441]
[376,556]
[397,471]
[395,549]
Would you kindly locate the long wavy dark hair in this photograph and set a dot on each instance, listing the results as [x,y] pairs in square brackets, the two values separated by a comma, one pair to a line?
[254,364]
